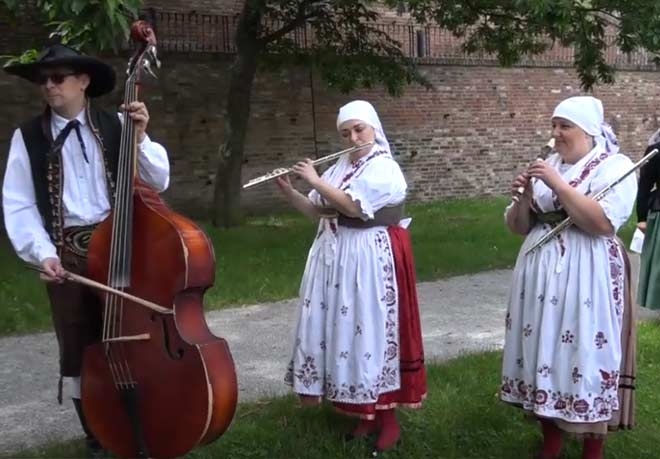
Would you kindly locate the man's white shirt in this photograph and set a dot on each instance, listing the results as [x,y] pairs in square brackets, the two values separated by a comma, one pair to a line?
[85,199]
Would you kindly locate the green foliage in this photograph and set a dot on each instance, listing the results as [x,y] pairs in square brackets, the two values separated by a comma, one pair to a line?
[343,42]
[512,29]
[11,4]
[28,56]
[86,25]
[349,50]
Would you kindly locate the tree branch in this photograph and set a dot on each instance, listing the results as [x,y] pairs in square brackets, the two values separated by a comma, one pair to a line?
[300,19]
[493,12]
[615,19]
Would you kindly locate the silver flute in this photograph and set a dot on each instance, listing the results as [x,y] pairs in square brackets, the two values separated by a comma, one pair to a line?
[545,151]
[284,171]
[568,222]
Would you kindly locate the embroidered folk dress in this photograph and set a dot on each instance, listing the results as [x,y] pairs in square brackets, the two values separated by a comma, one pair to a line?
[562,349]
[347,336]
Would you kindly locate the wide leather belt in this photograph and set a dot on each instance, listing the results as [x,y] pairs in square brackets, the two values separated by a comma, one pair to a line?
[550,217]
[76,239]
[387,216]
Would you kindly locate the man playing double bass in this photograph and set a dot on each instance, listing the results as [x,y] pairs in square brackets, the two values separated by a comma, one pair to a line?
[59,183]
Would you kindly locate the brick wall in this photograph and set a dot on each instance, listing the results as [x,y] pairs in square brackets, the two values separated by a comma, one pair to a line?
[19,32]
[231,7]
[466,138]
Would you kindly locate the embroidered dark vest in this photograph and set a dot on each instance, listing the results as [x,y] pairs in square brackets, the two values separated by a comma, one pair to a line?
[46,165]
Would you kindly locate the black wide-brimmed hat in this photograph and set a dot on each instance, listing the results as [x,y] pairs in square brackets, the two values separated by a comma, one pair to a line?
[102,76]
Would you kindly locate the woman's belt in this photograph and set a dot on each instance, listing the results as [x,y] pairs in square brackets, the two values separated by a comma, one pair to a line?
[553,217]
[387,216]
[76,239]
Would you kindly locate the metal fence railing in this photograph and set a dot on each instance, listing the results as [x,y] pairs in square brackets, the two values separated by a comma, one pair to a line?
[183,32]
[192,32]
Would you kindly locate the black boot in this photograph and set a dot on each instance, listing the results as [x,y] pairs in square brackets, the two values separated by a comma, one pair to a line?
[94,448]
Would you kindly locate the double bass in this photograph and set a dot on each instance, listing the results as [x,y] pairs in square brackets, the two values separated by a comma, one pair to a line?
[158,383]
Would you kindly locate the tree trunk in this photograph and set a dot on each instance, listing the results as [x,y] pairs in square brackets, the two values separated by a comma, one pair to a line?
[227,193]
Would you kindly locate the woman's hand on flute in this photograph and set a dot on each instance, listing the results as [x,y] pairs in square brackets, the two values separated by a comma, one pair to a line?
[305,170]
[518,215]
[284,184]
[543,171]
[521,188]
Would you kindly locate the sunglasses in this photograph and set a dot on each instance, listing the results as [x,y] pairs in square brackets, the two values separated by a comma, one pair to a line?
[56,78]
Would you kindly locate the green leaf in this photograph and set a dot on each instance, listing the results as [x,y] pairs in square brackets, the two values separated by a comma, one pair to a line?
[11,4]
[94,25]
[77,6]
[124,25]
[28,56]
[516,28]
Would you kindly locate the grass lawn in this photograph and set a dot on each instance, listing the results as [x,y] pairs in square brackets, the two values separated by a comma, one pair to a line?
[462,418]
[263,260]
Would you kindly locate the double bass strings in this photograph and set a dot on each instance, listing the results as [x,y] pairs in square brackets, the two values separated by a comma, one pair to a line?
[120,251]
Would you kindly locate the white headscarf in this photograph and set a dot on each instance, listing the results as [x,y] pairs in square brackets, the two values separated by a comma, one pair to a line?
[365,112]
[587,113]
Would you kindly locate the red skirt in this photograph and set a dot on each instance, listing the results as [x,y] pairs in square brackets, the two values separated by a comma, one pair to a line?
[412,390]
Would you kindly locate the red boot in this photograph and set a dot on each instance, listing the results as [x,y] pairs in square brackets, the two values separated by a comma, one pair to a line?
[364,428]
[592,448]
[552,440]
[389,434]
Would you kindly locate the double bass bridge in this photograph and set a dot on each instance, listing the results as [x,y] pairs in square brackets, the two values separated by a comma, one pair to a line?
[121,339]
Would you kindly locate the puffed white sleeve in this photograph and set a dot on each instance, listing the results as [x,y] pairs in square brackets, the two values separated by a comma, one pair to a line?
[381,183]
[619,202]
[24,224]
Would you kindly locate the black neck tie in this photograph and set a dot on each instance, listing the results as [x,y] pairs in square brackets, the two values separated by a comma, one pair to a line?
[59,141]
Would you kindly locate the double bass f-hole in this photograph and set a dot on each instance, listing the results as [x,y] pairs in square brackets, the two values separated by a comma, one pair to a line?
[176,355]
[167,342]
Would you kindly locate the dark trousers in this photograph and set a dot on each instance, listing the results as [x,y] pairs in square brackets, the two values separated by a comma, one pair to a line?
[77,315]
[77,318]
